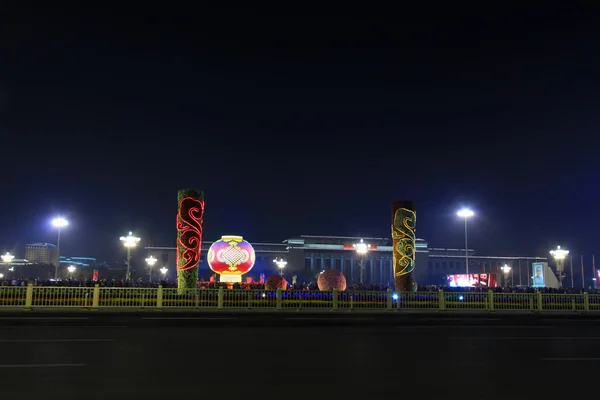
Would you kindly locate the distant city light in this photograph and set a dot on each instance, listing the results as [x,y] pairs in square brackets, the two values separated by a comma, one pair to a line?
[71,269]
[281,263]
[164,271]
[505,268]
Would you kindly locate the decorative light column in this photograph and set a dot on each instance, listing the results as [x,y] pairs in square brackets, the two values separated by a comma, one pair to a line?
[129,242]
[559,256]
[404,220]
[190,211]
[58,223]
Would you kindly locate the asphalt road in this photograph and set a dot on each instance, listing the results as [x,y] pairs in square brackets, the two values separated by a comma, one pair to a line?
[160,356]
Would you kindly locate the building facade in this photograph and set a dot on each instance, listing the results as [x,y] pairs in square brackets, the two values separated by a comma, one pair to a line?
[308,255]
[40,253]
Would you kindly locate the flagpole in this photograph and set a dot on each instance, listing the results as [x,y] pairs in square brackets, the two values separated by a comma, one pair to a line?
[582,274]
[571,262]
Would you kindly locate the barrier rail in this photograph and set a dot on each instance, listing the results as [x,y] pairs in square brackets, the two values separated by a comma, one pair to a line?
[96,297]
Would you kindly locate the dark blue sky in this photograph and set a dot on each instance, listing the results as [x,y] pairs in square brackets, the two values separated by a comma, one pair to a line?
[302,122]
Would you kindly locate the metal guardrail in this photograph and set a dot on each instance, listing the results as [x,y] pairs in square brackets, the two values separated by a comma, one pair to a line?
[30,297]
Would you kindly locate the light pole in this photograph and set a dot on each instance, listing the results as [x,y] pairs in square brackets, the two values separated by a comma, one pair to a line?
[506,269]
[129,241]
[58,223]
[466,214]
[280,264]
[361,248]
[164,271]
[7,259]
[559,256]
[150,261]
[71,270]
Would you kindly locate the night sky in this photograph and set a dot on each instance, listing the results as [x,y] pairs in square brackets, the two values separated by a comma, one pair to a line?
[301,121]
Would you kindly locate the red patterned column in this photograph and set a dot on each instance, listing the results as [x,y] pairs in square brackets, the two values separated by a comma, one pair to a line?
[189,237]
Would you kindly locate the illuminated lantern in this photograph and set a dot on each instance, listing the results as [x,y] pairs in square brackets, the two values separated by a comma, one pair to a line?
[231,257]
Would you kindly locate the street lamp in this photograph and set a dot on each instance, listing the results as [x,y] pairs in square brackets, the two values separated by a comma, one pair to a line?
[150,261]
[466,214]
[163,271]
[559,256]
[129,241]
[7,259]
[361,249]
[506,270]
[280,264]
[71,270]
[58,223]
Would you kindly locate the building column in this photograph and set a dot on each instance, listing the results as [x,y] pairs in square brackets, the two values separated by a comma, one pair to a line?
[342,265]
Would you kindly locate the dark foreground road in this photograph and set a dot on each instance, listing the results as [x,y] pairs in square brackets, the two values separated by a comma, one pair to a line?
[200,356]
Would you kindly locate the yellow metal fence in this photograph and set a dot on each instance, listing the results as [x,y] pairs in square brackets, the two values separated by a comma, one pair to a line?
[168,298]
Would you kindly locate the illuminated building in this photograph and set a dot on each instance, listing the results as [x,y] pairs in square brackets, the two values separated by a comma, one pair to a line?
[40,253]
[83,262]
[308,255]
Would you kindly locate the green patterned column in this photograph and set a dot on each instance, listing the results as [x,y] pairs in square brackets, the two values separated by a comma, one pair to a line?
[404,220]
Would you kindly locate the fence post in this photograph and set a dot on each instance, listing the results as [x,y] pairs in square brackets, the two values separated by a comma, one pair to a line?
[96,296]
[220,297]
[586,302]
[442,300]
[334,306]
[29,296]
[279,299]
[159,297]
[540,306]
[389,299]
[491,300]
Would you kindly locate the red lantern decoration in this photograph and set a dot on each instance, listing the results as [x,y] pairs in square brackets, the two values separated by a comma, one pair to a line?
[231,257]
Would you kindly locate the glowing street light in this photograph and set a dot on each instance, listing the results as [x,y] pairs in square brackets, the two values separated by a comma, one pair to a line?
[466,214]
[58,223]
[164,271]
[7,259]
[150,261]
[1,276]
[281,263]
[129,242]
[361,249]
[559,256]
[506,270]
[71,270]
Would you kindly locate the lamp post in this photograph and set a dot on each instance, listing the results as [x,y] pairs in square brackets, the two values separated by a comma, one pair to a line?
[164,271]
[58,223]
[559,256]
[506,270]
[71,270]
[150,261]
[466,214]
[7,259]
[361,249]
[281,263]
[129,242]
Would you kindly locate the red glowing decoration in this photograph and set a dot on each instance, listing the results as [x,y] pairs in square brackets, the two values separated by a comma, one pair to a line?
[331,279]
[189,232]
[231,257]
[275,282]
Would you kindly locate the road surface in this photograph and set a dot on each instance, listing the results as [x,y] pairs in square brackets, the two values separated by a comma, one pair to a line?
[164,356]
